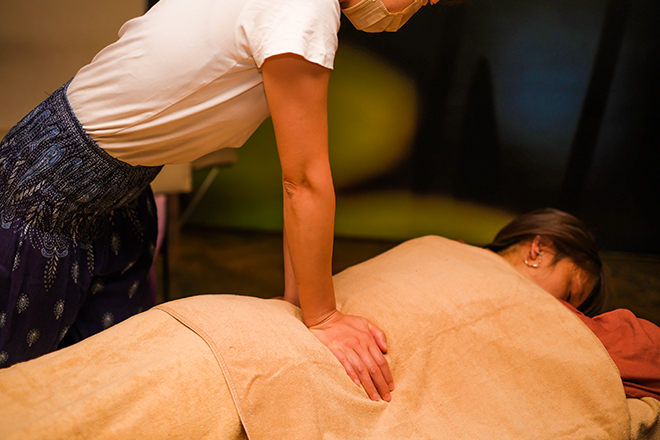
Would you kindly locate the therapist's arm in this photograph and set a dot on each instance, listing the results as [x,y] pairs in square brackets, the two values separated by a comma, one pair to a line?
[290,284]
[297,93]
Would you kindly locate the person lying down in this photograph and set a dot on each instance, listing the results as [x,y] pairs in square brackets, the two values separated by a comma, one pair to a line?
[478,343]
[557,252]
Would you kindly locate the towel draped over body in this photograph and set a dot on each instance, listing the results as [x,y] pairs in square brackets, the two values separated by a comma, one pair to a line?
[477,352]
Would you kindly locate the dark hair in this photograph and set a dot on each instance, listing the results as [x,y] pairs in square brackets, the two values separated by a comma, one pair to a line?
[570,237]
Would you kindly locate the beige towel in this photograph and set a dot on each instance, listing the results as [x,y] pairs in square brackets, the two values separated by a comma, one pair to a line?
[477,351]
[644,418]
[145,378]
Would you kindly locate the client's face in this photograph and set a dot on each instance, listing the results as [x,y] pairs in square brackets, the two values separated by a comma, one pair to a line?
[565,280]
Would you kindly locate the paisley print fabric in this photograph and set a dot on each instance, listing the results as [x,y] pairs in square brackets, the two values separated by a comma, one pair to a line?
[77,234]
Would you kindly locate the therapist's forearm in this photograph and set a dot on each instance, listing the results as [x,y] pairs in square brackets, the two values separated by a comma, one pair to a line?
[309,208]
[290,284]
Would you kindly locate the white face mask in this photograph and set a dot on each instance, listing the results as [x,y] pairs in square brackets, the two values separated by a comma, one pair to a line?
[373,16]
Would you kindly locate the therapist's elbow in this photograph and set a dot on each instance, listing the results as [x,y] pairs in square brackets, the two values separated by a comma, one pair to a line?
[292,187]
[305,185]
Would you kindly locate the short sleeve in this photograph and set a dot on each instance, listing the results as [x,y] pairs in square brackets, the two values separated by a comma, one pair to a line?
[304,27]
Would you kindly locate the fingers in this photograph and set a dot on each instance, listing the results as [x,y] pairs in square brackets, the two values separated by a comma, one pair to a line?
[359,346]
[378,371]
[384,369]
[348,366]
[379,337]
[364,372]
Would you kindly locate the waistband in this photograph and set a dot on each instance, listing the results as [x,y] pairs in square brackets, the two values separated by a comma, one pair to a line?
[56,179]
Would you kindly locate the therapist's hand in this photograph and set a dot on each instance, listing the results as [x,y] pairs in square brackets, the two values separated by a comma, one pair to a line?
[359,345]
[297,94]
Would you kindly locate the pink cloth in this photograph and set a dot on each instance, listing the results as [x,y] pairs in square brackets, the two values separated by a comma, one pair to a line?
[634,346]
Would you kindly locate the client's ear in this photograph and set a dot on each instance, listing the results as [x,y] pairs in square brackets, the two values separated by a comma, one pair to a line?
[538,246]
[535,247]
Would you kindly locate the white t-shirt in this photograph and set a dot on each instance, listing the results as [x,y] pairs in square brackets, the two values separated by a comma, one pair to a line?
[184,79]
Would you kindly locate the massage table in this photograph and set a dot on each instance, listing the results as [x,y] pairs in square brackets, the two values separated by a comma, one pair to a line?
[477,351]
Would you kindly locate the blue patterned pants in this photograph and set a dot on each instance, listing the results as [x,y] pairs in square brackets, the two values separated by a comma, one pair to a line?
[77,234]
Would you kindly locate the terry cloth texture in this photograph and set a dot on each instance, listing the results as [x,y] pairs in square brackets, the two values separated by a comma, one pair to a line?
[77,233]
[148,377]
[477,352]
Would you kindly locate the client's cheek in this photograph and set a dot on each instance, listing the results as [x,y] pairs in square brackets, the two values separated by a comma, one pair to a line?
[556,288]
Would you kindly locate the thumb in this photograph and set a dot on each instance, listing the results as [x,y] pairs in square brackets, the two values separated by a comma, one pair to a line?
[379,337]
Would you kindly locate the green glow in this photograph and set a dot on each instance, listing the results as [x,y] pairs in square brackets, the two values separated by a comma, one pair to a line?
[372,116]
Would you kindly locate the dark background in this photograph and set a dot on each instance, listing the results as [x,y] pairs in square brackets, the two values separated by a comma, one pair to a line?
[535,103]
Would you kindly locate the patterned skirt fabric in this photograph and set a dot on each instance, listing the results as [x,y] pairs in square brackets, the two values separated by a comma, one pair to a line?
[77,234]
